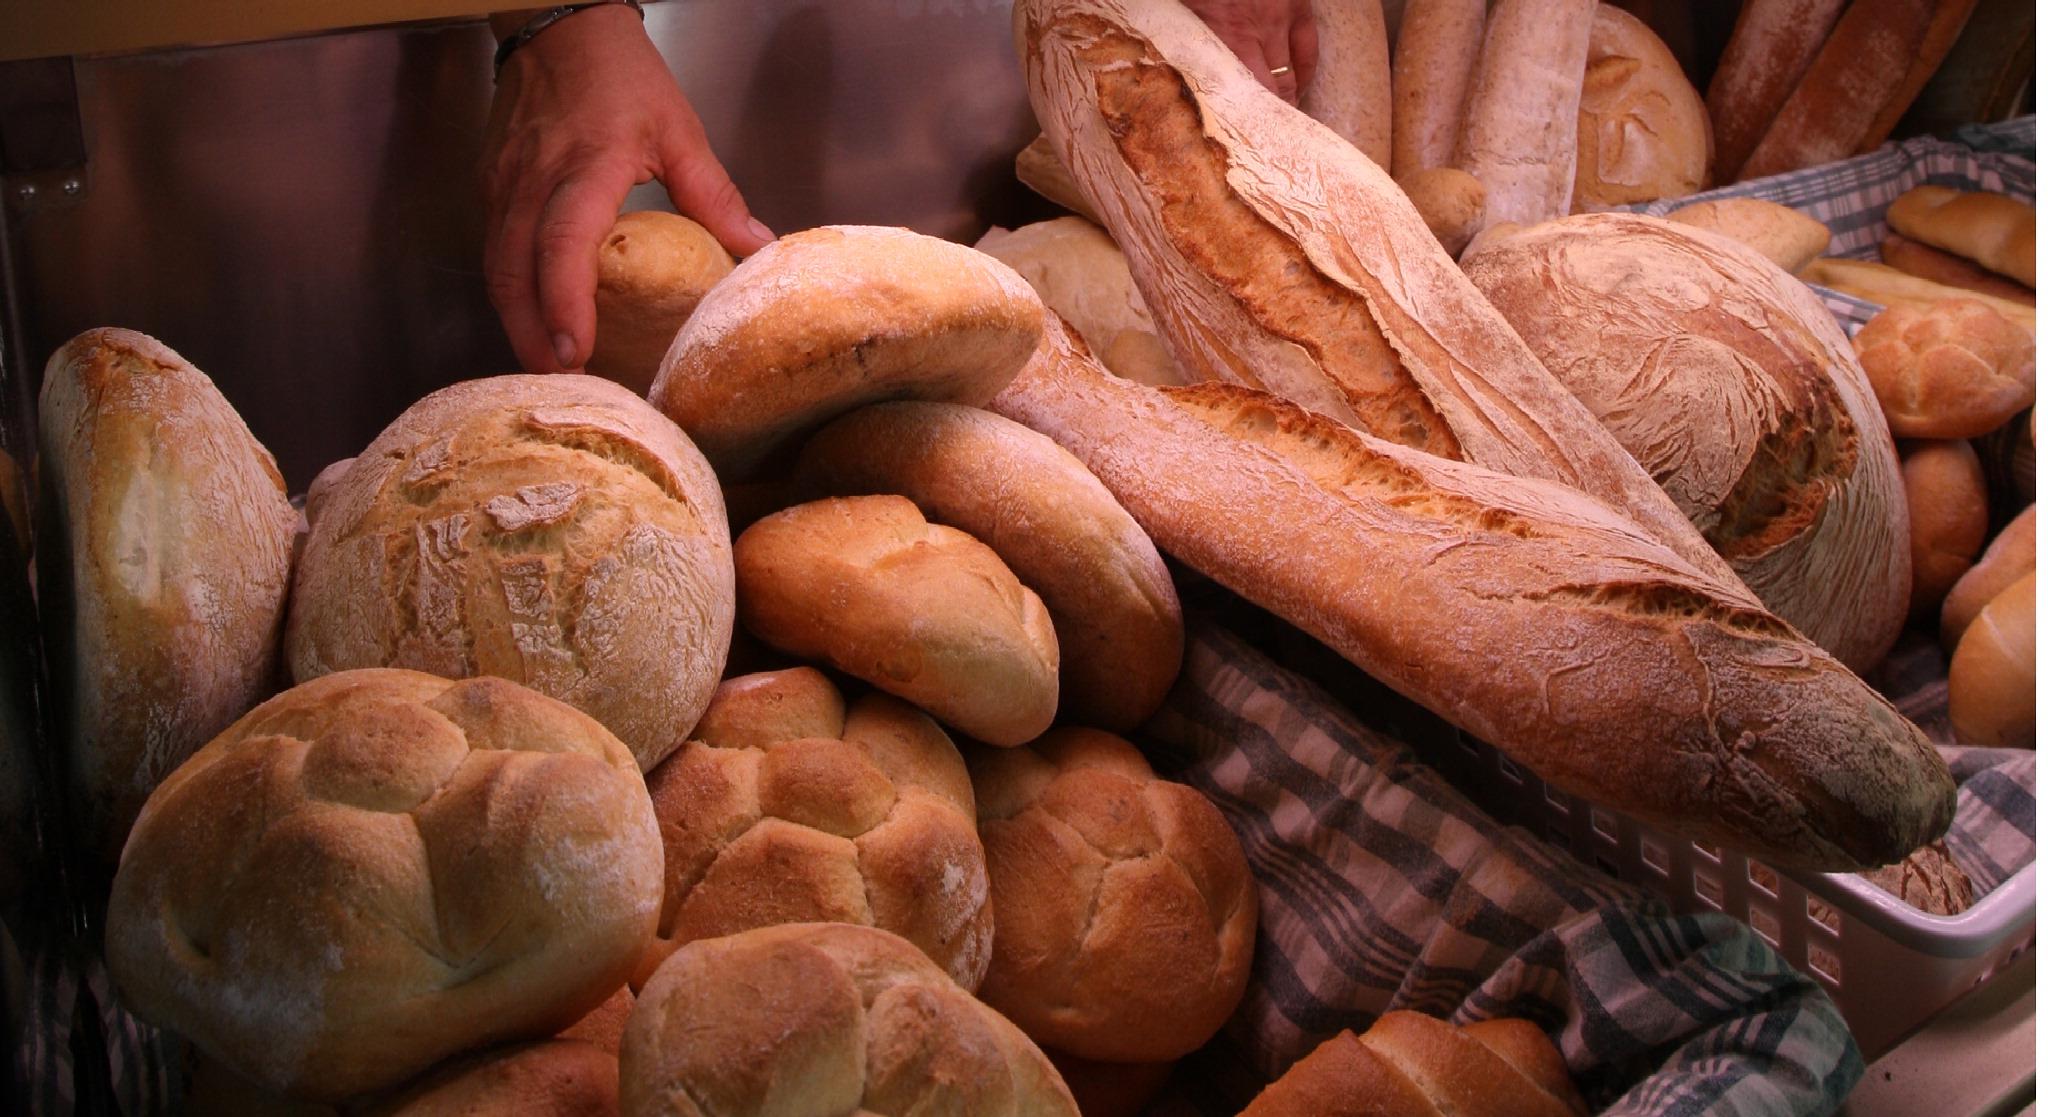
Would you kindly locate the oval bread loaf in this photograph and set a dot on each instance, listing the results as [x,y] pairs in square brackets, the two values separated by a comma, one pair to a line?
[163,564]
[1950,511]
[1789,238]
[827,319]
[1950,369]
[1991,678]
[2009,558]
[1112,602]
[923,611]
[1643,131]
[653,268]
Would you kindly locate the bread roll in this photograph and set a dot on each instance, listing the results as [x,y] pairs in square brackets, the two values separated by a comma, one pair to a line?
[2009,558]
[1642,130]
[1081,275]
[1786,237]
[1773,45]
[1527,614]
[1951,369]
[554,530]
[378,869]
[1125,914]
[1732,384]
[1411,1065]
[1863,65]
[824,1018]
[1991,678]
[1874,282]
[786,807]
[1434,57]
[1352,88]
[1928,262]
[1929,880]
[920,610]
[652,270]
[165,550]
[1995,231]
[1949,510]
[602,1026]
[1522,115]
[1333,293]
[1039,168]
[825,320]
[1452,203]
[1112,602]
[552,1078]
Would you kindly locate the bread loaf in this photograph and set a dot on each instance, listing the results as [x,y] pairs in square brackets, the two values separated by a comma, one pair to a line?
[1433,62]
[1333,292]
[1452,203]
[2009,558]
[165,549]
[1874,282]
[1949,509]
[1929,880]
[1411,1065]
[379,869]
[1351,90]
[552,1078]
[602,1026]
[1863,65]
[1527,614]
[1787,237]
[1773,45]
[653,268]
[1040,169]
[1952,369]
[1081,275]
[1643,133]
[824,1018]
[1927,262]
[1733,386]
[825,320]
[923,611]
[1995,231]
[1125,913]
[1991,678]
[788,807]
[1933,47]
[1521,136]
[554,530]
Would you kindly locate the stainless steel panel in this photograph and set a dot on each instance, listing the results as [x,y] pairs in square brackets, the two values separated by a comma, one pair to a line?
[301,219]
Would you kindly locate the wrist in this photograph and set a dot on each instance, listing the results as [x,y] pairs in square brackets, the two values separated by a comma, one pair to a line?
[546,31]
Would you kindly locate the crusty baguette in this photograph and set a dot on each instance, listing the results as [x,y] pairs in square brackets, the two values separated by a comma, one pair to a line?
[1521,135]
[1886,286]
[1928,262]
[1773,44]
[1934,44]
[1433,62]
[1992,229]
[1352,89]
[1526,613]
[1272,253]
[1858,71]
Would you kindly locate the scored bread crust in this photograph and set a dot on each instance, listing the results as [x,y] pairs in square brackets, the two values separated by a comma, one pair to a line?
[1528,614]
[1642,129]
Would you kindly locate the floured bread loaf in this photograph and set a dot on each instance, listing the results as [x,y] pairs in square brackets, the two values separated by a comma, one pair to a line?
[1082,276]
[825,320]
[653,268]
[824,1018]
[162,568]
[379,869]
[554,530]
[1643,131]
[1732,384]
[1352,90]
[788,807]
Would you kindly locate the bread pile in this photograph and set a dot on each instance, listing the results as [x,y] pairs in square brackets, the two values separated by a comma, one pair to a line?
[1411,1065]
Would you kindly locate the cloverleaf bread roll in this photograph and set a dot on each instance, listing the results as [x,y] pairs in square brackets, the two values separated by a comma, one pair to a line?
[787,807]
[923,611]
[1111,600]
[827,319]
[1951,369]
[1786,237]
[1991,678]
[1411,1065]
[653,268]
[2009,558]
[824,1018]
[1125,912]
[379,869]
[1643,132]
[1733,386]
[164,555]
[1082,276]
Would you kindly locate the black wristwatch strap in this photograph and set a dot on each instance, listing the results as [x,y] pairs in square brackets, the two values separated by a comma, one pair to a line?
[544,20]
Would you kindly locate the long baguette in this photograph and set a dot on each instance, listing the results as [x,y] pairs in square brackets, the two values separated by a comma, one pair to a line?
[1858,71]
[1886,286]
[1352,90]
[1272,253]
[1433,62]
[1523,612]
[1939,266]
[1522,116]
[1774,43]
[1934,45]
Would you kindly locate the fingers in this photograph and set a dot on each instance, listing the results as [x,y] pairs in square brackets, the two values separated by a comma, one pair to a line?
[1275,46]
[575,219]
[1250,48]
[701,190]
[1302,46]
[509,277]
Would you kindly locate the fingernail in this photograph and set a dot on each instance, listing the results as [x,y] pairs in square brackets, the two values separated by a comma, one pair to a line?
[760,230]
[565,350]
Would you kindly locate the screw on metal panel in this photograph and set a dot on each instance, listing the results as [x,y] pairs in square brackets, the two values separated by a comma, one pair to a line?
[73,187]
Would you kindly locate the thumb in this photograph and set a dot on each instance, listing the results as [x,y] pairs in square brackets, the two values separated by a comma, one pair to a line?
[700,190]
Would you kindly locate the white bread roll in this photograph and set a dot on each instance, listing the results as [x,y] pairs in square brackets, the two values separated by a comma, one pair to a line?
[162,569]
[1112,602]
[1787,237]
[1642,130]
[824,1018]
[1951,369]
[827,319]
[1991,678]
[379,869]
[653,268]
[2009,558]
[1732,384]
[1081,275]
[1995,231]
[554,530]
[788,807]
[1950,511]
[923,611]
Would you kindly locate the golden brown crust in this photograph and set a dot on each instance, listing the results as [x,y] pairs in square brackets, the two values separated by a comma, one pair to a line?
[1773,44]
[2008,559]
[1411,1065]
[1642,129]
[1928,262]
[1863,64]
[602,1026]
[653,268]
[552,1078]
[1451,202]
[1787,237]
[1991,678]
[1952,369]
[1995,231]
[1950,510]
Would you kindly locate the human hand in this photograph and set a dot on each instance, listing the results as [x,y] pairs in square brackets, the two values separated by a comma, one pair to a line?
[583,113]
[1267,35]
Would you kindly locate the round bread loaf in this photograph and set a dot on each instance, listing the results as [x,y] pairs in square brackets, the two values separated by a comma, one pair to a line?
[163,565]
[920,610]
[1643,130]
[1125,913]
[824,1018]
[1950,369]
[2009,558]
[1037,507]
[1787,237]
[379,869]
[1991,678]
[653,269]
[552,1078]
[825,320]
[1083,277]
[786,807]
[1733,386]
[1950,513]
[552,530]
[1929,880]
[1451,202]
